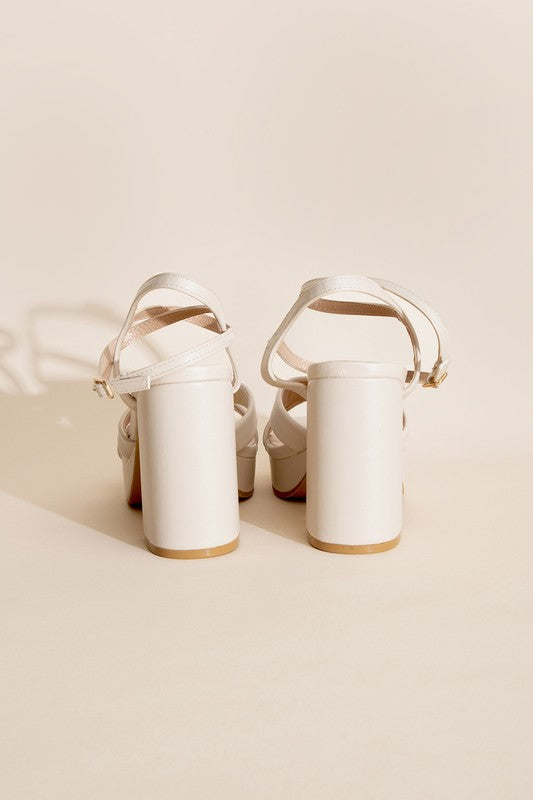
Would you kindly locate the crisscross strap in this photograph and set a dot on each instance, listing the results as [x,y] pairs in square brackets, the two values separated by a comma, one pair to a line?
[312,296]
[140,323]
[246,425]
[287,428]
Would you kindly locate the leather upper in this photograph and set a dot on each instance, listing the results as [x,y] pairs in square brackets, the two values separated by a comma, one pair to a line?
[283,428]
[207,314]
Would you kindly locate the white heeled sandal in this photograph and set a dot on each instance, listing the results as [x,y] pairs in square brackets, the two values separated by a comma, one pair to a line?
[347,461]
[188,440]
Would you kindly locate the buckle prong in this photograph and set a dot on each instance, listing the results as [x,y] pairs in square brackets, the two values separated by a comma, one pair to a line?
[433,384]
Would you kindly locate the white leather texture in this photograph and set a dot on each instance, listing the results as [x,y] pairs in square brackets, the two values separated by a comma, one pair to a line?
[349,392]
[312,291]
[189,422]
[246,440]
[188,464]
[354,453]
[312,296]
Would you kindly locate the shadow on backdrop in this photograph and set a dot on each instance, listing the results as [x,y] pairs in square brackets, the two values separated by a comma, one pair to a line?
[59,445]
[59,441]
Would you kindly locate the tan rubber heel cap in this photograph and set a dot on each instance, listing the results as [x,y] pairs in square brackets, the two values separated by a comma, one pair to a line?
[207,552]
[353,549]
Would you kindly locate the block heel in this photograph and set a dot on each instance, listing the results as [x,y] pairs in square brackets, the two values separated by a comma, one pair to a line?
[354,456]
[188,465]
[344,456]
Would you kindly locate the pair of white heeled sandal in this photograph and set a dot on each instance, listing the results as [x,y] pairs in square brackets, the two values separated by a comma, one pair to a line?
[188,440]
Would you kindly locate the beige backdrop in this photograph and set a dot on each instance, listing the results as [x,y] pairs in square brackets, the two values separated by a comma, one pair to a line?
[255,145]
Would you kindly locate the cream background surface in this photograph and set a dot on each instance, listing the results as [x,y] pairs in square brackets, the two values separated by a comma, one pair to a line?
[253,146]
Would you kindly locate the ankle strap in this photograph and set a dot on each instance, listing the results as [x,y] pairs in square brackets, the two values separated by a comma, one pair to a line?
[139,324]
[431,379]
[439,372]
[312,296]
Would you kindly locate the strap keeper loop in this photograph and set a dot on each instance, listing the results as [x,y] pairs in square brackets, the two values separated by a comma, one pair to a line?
[103,389]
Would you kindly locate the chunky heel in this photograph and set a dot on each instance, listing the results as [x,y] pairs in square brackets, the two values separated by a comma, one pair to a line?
[354,456]
[188,465]
[188,440]
[345,456]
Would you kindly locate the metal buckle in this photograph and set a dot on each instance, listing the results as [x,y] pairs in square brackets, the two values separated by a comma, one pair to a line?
[103,388]
[433,384]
